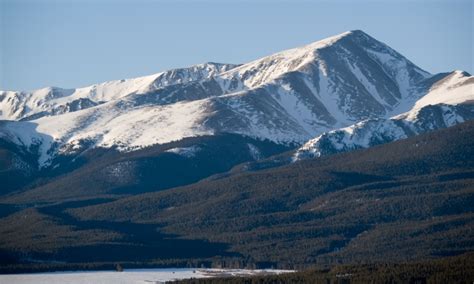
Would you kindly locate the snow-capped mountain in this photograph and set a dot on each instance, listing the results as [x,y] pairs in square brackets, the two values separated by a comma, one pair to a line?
[449,101]
[54,101]
[288,97]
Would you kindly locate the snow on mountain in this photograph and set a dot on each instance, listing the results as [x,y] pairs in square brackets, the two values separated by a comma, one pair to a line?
[54,101]
[450,101]
[107,126]
[348,77]
[457,87]
[288,97]
[187,152]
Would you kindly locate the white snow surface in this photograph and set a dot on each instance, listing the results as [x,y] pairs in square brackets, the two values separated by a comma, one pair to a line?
[17,105]
[127,129]
[254,152]
[455,89]
[356,136]
[187,152]
[132,276]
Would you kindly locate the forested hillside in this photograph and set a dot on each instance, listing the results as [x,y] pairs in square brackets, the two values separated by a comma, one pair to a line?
[403,201]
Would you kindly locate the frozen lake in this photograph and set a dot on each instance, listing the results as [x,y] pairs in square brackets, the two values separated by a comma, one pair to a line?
[130,276]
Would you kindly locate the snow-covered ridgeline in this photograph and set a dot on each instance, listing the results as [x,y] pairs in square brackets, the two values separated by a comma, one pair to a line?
[379,131]
[53,100]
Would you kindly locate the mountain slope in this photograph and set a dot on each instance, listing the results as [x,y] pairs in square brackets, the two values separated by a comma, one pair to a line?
[109,173]
[449,101]
[330,208]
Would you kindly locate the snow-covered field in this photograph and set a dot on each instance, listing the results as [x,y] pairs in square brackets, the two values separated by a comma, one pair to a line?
[130,276]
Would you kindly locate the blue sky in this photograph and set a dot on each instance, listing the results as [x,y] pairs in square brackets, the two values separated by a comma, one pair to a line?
[76,43]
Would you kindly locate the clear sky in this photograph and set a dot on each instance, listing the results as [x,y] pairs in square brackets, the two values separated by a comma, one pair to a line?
[76,43]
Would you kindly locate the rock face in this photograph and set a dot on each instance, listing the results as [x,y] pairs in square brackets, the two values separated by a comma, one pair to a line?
[287,98]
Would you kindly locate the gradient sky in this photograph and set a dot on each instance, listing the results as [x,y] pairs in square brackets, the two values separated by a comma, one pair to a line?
[77,43]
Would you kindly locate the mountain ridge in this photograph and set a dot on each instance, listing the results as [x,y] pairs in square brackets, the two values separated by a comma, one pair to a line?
[288,97]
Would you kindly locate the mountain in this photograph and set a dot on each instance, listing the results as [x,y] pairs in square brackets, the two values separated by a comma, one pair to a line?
[287,97]
[273,104]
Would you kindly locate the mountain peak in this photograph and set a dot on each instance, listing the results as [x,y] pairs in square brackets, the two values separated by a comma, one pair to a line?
[356,32]
[462,73]
[333,39]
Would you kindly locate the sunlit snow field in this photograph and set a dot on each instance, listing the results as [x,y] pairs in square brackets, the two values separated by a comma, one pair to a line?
[130,276]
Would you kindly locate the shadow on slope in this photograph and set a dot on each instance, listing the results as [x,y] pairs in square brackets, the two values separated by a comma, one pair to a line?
[107,172]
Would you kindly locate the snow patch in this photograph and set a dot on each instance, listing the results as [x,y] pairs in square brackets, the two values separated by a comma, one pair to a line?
[187,152]
[254,152]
